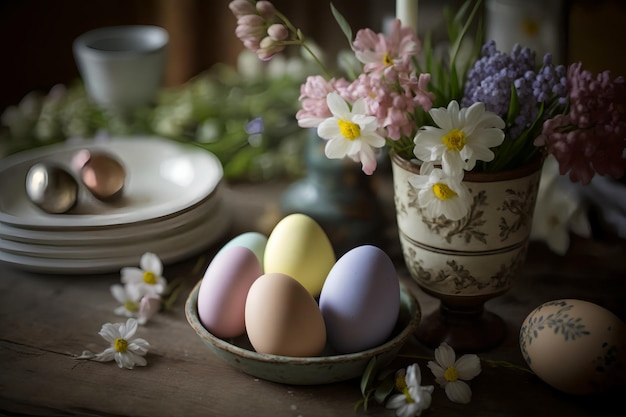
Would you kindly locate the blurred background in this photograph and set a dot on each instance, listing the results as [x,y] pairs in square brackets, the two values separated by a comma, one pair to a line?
[36,35]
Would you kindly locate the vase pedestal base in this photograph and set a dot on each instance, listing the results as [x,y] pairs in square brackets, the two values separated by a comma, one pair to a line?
[465,330]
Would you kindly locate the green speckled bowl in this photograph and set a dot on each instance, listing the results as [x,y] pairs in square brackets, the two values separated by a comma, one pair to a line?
[326,369]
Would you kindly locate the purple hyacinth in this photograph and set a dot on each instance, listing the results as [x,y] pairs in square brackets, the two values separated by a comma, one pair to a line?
[491,77]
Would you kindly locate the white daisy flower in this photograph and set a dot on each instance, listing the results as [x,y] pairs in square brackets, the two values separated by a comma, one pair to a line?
[350,132]
[439,194]
[146,280]
[125,351]
[129,306]
[451,373]
[414,398]
[462,138]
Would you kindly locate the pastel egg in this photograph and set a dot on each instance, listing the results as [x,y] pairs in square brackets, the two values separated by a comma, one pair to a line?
[575,346]
[299,247]
[254,241]
[360,300]
[224,289]
[282,318]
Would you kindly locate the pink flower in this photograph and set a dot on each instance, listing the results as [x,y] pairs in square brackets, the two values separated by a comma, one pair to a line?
[313,98]
[379,52]
[393,101]
[591,138]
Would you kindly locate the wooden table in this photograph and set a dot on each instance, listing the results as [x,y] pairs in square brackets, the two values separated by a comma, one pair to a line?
[46,320]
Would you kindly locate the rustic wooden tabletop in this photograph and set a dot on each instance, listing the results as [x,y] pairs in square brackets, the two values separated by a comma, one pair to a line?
[46,320]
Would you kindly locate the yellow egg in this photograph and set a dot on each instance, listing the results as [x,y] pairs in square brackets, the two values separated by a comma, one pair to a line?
[282,318]
[575,346]
[299,247]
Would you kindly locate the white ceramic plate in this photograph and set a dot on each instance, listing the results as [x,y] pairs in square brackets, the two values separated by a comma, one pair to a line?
[163,177]
[169,249]
[102,236]
[160,240]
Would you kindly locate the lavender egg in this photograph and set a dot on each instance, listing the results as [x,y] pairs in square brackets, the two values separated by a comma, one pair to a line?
[360,300]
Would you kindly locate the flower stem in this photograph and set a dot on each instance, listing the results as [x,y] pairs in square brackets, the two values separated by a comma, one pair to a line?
[300,41]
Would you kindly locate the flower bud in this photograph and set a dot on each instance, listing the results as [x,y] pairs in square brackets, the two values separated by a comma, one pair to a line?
[241,8]
[251,20]
[266,9]
[278,32]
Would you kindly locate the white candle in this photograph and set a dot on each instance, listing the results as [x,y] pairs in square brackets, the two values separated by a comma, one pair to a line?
[406,11]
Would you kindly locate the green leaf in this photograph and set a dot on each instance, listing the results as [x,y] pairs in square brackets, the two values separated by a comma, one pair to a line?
[384,389]
[343,23]
[513,111]
[368,376]
[457,42]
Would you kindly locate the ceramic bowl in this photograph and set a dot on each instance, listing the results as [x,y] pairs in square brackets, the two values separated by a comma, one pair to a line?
[325,369]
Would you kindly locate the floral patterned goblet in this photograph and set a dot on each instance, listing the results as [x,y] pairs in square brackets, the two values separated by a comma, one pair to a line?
[465,263]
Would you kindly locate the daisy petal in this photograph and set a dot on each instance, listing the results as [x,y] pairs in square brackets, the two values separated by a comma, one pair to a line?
[468,367]
[458,392]
[445,356]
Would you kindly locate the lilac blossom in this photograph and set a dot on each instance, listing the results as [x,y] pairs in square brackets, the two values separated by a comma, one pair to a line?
[591,137]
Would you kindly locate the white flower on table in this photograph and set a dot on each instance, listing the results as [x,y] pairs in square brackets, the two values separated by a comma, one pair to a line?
[451,373]
[350,132]
[146,280]
[126,352]
[439,194]
[142,309]
[463,137]
[414,398]
[129,306]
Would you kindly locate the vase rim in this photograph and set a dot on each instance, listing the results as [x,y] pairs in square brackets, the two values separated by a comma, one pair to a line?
[518,172]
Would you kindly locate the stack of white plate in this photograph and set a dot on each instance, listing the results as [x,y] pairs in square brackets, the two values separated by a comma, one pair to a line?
[172,206]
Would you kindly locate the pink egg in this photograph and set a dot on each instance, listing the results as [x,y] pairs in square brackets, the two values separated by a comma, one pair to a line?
[224,289]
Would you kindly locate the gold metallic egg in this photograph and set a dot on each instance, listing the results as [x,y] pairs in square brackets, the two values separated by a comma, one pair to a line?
[52,188]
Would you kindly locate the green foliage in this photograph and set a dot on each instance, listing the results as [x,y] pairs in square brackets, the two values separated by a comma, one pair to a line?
[342,22]
[376,383]
[210,111]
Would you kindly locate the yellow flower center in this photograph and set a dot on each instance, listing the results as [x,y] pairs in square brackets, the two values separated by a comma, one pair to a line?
[131,305]
[451,374]
[348,129]
[442,191]
[455,140]
[121,345]
[403,388]
[387,61]
[149,278]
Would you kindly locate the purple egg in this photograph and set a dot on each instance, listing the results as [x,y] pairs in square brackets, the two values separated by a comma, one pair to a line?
[360,300]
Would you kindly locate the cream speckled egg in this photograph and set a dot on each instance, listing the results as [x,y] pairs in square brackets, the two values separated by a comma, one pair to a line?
[575,346]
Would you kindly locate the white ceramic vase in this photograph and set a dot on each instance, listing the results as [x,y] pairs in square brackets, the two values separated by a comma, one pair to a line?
[465,263]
